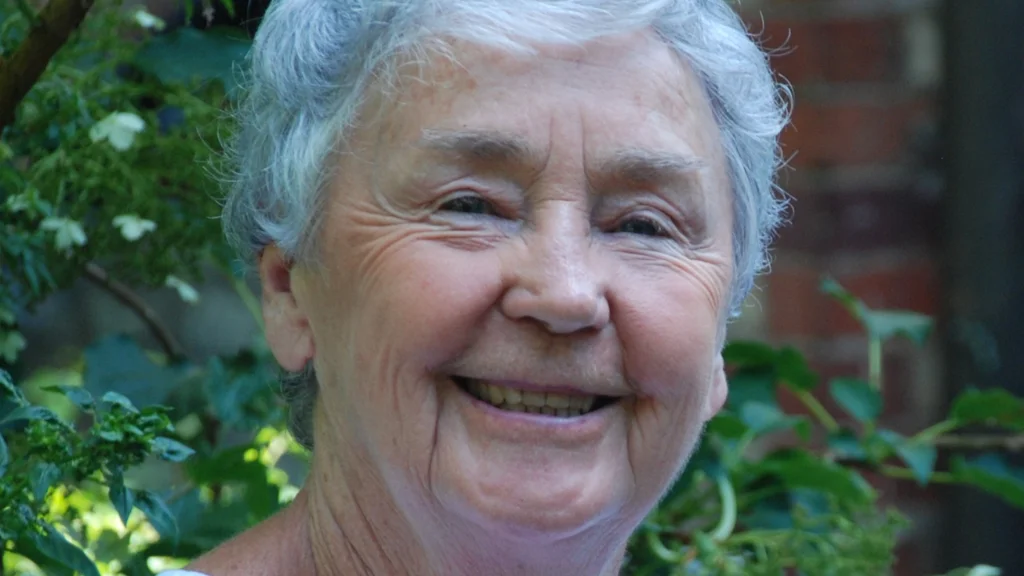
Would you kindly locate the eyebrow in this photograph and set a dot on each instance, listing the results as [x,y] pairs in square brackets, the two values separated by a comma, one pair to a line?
[640,165]
[632,164]
[481,147]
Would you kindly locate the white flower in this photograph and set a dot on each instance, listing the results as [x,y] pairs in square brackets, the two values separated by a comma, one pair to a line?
[149,21]
[18,202]
[119,129]
[132,227]
[185,291]
[67,232]
[10,344]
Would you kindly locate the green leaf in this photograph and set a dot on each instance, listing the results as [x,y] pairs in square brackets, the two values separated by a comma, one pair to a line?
[42,478]
[857,398]
[157,513]
[79,396]
[121,497]
[13,391]
[919,456]
[172,450]
[765,418]
[751,386]
[799,469]
[881,324]
[727,425]
[791,367]
[4,456]
[115,399]
[188,54]
[886,324]
[56,547]
[990,473]
[119,365]
[28,414]
[979,570]
[846,444]
[994,407]
[746,354]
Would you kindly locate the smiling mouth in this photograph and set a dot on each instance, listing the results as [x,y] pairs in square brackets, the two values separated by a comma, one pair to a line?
[546,403]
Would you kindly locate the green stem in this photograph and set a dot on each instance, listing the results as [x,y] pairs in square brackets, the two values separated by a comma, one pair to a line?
[907,474]
[727,522]
[875,363]
[932,432]
[659,549]
[818,410]
[252,304]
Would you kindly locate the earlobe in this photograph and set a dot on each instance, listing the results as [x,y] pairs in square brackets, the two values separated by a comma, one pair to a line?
[719,390]
[286,323]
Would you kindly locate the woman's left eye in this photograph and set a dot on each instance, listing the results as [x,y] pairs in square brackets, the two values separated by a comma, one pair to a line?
[642,227]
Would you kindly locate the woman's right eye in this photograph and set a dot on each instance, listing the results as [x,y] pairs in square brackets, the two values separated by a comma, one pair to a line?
[469,205]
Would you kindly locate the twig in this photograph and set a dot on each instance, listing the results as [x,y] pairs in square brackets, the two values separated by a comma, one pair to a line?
[126,296]
[19,72]
[1006,442]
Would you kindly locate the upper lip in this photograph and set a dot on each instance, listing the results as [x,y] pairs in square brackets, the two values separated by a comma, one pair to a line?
[533,385]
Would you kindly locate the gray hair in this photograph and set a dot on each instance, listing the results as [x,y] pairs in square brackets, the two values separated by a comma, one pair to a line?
[312,62]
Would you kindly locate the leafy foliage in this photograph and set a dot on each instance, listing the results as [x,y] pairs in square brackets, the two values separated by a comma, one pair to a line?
[106,175]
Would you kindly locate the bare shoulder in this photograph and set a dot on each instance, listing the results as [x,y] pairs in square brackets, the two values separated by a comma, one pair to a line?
[275,547]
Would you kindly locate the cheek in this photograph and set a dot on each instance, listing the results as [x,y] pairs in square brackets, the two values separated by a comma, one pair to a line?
[667,328]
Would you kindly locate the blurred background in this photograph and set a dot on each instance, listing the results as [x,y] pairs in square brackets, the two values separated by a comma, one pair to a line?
[907,174]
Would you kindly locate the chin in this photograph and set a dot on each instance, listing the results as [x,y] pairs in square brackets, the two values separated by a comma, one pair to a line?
[536,506]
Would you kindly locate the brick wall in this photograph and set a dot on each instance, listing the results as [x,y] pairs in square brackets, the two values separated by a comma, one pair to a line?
[866,75]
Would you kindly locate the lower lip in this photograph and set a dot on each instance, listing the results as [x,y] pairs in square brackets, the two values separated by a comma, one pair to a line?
[524,425]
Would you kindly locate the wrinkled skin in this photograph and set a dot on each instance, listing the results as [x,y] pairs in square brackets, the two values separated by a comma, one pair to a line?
[561,264]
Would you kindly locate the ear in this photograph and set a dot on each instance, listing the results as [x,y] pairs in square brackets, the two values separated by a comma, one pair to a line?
[286,323]
[719,390]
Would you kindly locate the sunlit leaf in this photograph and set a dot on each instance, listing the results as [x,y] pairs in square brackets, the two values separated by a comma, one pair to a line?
[857,397]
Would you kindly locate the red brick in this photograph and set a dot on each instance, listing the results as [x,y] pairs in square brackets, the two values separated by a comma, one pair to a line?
[824,134]
[824,222]
[796,307]
[808,51]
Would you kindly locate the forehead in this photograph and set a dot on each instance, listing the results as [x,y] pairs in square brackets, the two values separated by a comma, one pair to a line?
[629,92]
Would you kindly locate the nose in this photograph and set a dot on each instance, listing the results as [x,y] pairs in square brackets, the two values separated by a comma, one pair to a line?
[556,280]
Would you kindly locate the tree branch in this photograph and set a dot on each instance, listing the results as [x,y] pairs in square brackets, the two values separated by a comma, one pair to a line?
[19,72]
[1005,442]
[132,300]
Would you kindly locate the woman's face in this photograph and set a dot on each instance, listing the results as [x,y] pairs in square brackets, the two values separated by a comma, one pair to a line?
[523,271]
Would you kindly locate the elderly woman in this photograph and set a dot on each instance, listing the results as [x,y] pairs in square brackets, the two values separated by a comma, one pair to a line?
[499,243]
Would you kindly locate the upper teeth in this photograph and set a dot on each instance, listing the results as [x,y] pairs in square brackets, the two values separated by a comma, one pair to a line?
[528,401]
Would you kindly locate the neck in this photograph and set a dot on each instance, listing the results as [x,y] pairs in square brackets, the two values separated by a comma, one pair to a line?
[356,529]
